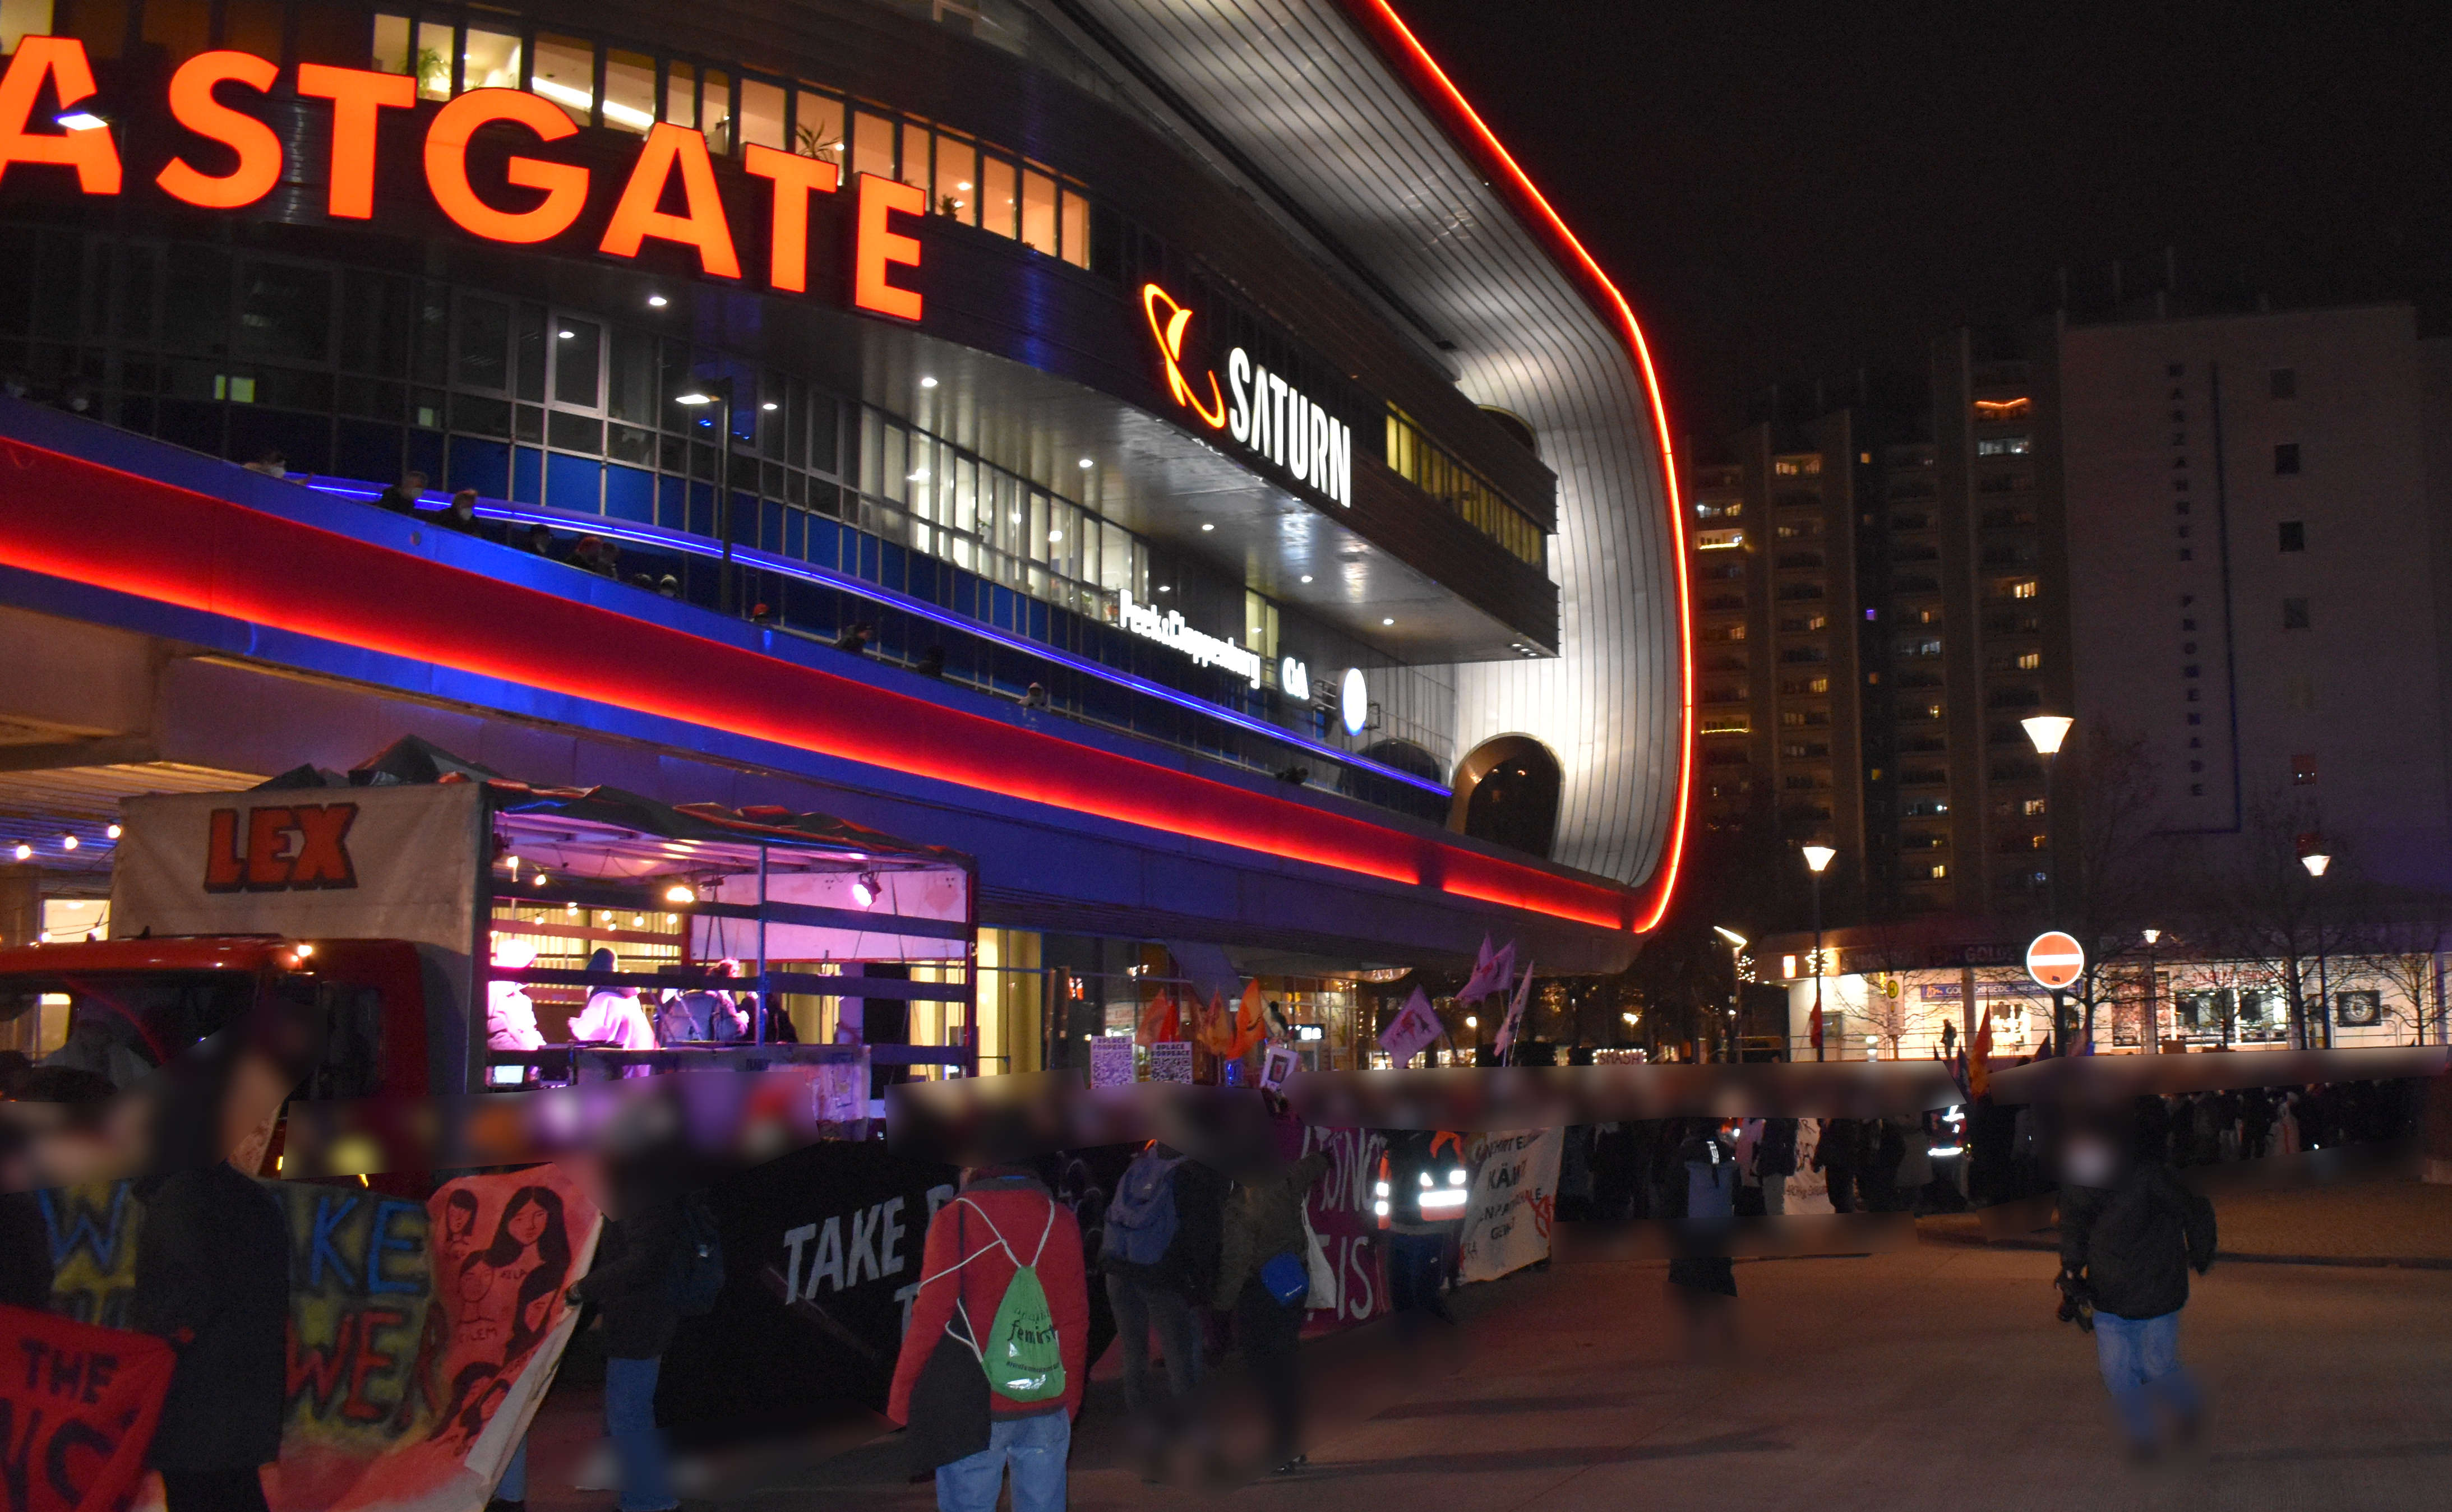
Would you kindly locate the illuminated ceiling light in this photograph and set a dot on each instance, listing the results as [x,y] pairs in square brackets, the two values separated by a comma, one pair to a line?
[1387,621]
[657,301]
[113,831]
[770,404]
[694,399]
[927,383]
[567,335]
[539,882]
[638,921]
[603,915]
[1016,517]
[25,852]
[1085,464]
[863,889]
[81,121]
[1163,588]
[566,908]
[1206,525]
[680,893]
[306,951]
[1306,576]
[67,842]
[1055,534]
[963,185]
[1470,1022]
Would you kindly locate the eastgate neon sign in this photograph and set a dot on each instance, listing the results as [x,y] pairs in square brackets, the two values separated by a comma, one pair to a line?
[672,159]
[1258,408]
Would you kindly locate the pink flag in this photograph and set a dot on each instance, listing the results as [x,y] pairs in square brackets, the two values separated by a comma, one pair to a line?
[1515,1012]
[1413,1027]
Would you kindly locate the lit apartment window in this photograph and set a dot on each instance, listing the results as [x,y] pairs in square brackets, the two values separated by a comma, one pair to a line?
[1939,871]
[1719,540]
[1797,466]
[2023,589]
[2034,808]
[1993,411]
[2004,446]
[1727,724]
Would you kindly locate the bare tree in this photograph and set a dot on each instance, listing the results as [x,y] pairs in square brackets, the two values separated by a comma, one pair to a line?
[2264,910]
[2402,943]
[2113,889]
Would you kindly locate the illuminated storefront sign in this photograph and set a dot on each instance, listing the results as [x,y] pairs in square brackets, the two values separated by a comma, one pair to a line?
[1293,680]
[1277,421]
[1168,629]
[672,162]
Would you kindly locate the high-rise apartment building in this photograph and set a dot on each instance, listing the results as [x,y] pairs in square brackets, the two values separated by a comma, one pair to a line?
[2220,534]
[1775,587]
[2256,575]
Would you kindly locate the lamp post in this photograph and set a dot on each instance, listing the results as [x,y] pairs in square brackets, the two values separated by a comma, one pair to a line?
[719,391]
[1736,944]
[2153,1019]
[1816,859]
[2048,731]
[2316,863]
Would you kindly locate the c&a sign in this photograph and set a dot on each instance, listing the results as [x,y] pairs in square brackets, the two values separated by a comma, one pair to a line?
[669,194]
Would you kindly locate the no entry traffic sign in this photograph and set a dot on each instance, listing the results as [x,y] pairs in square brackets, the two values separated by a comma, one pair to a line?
[2055,959]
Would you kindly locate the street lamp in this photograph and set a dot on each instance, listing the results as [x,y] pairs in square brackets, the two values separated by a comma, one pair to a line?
[719,391]
[1736,944]
[2153,1018]
[2048,731]
[1816,859]
[2316,863]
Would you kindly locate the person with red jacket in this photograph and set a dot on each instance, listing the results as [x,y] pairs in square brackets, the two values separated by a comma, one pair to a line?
[1004,1218]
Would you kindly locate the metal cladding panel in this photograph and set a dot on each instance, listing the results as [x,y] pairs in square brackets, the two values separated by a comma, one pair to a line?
[1301,92]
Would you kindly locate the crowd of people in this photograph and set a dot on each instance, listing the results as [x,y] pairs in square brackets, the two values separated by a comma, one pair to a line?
[624,1016]
[587,550]
[1199,1256]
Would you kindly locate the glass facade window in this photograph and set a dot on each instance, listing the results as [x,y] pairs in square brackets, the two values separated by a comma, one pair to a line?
[872,144]
[818,127]
[1038,212]
[956,189]
[761,115]
[1000,197]
[629,91]
[1428,466]
[490,60]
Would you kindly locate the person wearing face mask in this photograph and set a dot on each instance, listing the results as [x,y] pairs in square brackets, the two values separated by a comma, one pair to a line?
[2130,1231]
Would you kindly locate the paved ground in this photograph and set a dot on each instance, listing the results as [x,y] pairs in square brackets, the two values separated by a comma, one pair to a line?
[1930,1376]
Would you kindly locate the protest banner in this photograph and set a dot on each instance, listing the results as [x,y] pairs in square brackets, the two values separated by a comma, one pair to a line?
[1514,1190]
[77,1409]
[1338,1205]
[421,1334]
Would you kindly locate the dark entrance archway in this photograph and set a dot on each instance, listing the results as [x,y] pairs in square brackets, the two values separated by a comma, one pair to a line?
[1506,792]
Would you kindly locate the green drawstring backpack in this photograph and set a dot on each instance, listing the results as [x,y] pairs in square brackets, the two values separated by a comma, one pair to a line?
[1021,1355]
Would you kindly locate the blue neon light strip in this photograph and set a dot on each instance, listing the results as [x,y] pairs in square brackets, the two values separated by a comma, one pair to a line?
[663,539]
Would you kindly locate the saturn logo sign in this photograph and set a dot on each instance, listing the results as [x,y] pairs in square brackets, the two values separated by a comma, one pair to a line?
[1271,417]
[1169,329]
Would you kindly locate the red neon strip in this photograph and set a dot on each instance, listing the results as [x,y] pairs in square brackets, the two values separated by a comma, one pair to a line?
[1383,18]
[79,520]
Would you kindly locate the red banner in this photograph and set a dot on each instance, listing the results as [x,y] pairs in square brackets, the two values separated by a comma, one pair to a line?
[77,1410]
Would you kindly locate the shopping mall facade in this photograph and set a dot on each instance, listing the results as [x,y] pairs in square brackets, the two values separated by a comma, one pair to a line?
[1254,505]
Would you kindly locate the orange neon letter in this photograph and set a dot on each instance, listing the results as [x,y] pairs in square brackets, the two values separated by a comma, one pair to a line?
[258,149]
[796,178]
[93,154]
[446,167]
[636,218]
[356,95]
[878,247]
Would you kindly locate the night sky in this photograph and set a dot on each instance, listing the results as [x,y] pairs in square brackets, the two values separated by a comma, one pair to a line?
[1789,191]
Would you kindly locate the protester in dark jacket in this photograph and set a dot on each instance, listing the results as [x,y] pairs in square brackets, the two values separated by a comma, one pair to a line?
[1264,1220]
[1167,1293]
[2130,1230]
[1837,1155]
[630,1285]
[212,1276]
[402,496]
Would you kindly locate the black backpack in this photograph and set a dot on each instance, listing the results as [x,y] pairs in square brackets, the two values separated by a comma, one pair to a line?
[1775,1152]
[696,1277]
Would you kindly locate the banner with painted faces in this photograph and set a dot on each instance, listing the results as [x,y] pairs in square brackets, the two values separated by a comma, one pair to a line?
[421,1333]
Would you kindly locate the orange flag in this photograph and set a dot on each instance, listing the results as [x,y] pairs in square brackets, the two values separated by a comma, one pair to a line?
[1214,1032]
[1251,1023]
[1161,1020]
[1979,1056]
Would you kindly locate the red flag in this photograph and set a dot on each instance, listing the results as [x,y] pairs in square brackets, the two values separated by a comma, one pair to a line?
[1979,1060]
[1814,1019]
[1251,1023]
[1162,1020]
[81,1413]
